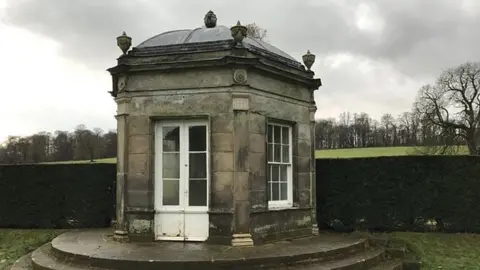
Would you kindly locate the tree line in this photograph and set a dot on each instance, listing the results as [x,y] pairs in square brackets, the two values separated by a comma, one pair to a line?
[81,144]
[444,115]
[353,130]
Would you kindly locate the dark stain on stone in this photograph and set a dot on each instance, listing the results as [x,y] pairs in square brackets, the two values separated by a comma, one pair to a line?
[242,157]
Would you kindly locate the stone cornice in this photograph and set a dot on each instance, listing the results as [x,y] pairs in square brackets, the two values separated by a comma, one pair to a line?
[272,68]
[221,45]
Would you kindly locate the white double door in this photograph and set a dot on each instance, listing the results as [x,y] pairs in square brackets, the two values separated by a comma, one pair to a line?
[181,181]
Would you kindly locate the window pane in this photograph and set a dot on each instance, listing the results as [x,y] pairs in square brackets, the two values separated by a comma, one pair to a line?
[197,193]
[197,137]
[270,152]
[276,134]
[198,165]
[270,133]
[171,165]
[275,176]
[171,194]
[283,191]
[283,173]
[171,139]
[277,153]
[285,153]
[285,139]
[275,191]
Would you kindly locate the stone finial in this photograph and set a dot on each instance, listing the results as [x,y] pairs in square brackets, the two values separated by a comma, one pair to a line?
[308,60]
[239,32]
[210,19]
[124,42]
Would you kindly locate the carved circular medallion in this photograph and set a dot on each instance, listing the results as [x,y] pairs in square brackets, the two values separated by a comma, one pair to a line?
[121,83]
[240,76]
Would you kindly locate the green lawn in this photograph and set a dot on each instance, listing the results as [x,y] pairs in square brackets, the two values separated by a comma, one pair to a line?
[436,250]
[444,251]
[14,243]
[371,152]
[330,153]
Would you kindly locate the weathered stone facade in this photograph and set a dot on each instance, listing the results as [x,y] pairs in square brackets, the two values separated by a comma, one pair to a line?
[238,89]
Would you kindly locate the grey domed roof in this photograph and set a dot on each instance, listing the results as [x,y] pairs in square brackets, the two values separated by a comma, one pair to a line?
[206,34]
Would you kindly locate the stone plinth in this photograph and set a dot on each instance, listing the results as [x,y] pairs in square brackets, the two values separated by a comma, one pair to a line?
[98,250]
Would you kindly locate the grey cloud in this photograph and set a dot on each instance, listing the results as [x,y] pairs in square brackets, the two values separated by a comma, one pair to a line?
[419,37]
[85,29]
[347,89]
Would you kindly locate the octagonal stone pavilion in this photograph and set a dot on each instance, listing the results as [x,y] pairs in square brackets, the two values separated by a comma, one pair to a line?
[215,138]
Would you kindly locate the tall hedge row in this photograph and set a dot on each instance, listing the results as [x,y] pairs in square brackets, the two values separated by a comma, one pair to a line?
[399,193]
[57,196]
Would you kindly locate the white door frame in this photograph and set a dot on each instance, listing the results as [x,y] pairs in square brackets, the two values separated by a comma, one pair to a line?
[180,222]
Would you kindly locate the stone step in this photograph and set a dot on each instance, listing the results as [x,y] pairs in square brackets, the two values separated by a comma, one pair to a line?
[390,265]
[24,263]
[360,261]
[96,249]
[42,259]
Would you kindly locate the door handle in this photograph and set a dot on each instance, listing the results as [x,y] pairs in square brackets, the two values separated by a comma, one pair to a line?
[185,191]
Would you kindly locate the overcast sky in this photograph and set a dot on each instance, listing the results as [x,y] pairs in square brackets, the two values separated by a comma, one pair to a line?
[372,55]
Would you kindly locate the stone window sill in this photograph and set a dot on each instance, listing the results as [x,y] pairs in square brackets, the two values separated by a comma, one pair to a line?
[282,208]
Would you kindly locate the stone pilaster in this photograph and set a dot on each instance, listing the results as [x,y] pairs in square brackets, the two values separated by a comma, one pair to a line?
[121,230]
[241,148]
[313,179]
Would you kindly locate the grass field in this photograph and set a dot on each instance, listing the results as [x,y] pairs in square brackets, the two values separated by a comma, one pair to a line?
[444,251]
[371,152]
[14,243]
[330,153]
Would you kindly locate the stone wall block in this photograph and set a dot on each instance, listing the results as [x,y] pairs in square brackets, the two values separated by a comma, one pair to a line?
[222,162]
[140,144]
[222,123]
[303,149]
[139,198]
[139,164]
[303,164]
[241,186]
[139,125]
[257,143]
[303,181]
[257,123]
[222,142]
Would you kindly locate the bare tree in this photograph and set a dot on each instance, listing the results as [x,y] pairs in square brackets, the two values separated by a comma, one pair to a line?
[39,147]
[24,145]
[86,141]
[110,141]
[388,123]
[325,132]
[62,145]
[255,31]
[453,103]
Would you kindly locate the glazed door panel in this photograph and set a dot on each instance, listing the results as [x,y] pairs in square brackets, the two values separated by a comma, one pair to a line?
[181,181]
[196,215]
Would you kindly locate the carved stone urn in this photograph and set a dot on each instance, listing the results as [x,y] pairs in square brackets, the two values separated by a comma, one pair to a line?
[239,32]
[308,59]
[124,42]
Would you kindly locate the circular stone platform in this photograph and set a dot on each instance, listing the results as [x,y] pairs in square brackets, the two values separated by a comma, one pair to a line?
[95,249]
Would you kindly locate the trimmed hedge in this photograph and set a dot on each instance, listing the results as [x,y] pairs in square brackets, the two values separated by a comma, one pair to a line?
[399,193]
[57,195]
